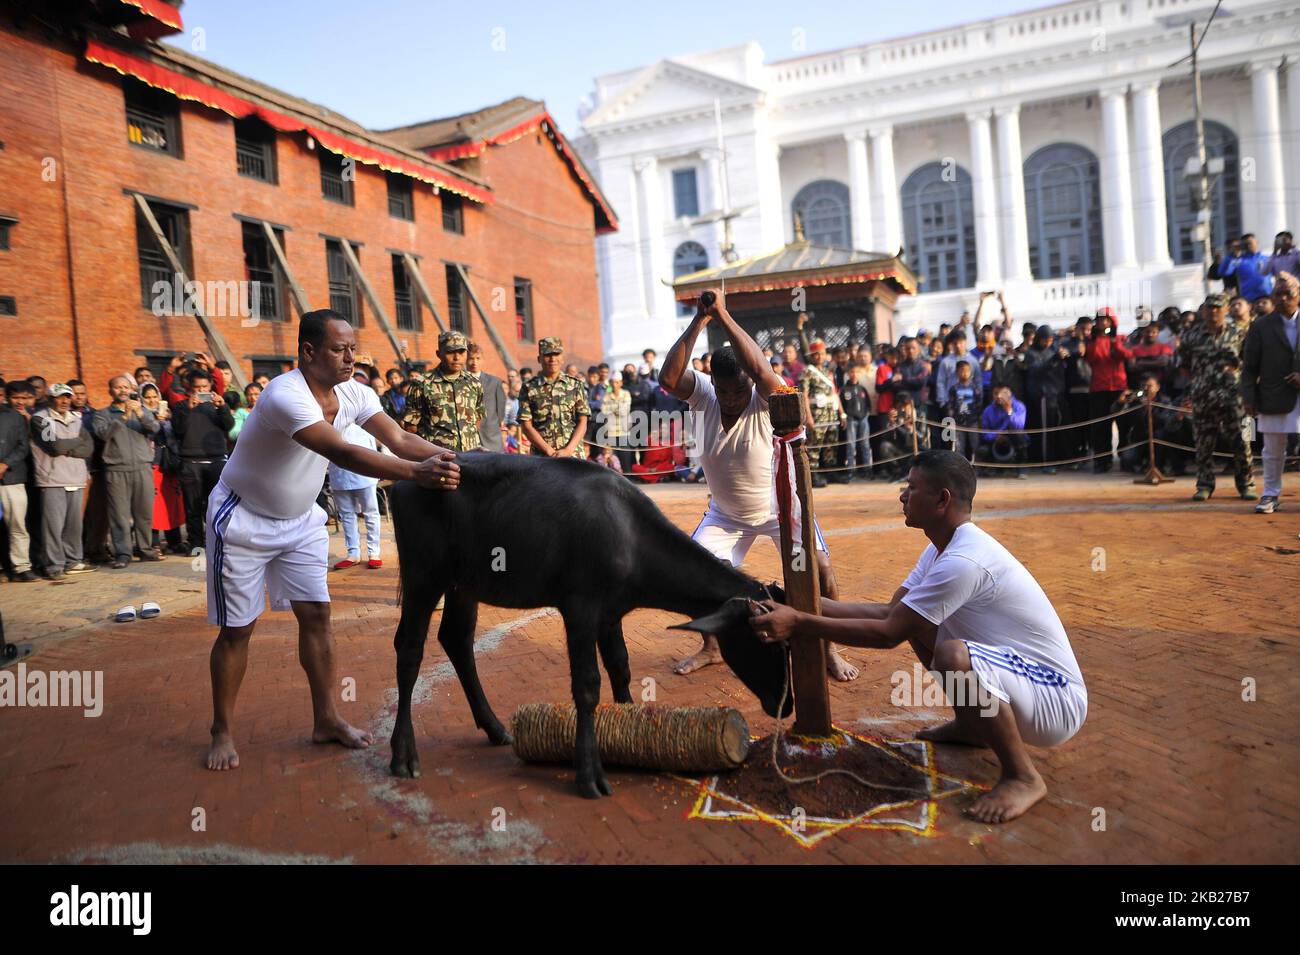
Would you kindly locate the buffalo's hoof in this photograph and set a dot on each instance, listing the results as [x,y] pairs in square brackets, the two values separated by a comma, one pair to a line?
[498,735]
[595,786]
[406,762]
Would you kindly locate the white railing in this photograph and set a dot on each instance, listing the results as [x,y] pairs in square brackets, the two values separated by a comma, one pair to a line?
[1082,21]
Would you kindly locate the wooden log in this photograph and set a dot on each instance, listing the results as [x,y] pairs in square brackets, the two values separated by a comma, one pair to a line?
[812,702]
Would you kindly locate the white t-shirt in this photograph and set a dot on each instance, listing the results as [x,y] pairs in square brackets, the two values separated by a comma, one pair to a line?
[274,474]
[976,590]
[737,463]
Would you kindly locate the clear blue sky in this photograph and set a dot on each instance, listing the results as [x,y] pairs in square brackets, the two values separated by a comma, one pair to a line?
[386,63]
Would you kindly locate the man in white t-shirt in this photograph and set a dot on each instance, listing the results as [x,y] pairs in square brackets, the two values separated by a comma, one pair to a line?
[265,531]
[734,442]
[968,607]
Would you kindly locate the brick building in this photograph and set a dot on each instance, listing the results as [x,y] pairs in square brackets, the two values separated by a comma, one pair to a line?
[485,222]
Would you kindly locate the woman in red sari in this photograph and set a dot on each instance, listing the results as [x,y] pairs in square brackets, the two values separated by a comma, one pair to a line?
[168,502]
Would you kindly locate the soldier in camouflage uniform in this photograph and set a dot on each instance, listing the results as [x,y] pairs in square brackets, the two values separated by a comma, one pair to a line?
[1211,351]
[553,408]
[824,403]
[446,408]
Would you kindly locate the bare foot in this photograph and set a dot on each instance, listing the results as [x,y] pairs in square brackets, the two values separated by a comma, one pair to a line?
[951,732]
[840,668]
[343,733]
[1007,800]
[222,755]
[705,658]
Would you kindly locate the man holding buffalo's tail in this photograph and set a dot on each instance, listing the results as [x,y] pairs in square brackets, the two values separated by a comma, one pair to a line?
[980,622]
[733,436]
[266,532]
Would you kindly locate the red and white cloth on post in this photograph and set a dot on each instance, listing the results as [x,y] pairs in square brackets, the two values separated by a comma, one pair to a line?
[788,509]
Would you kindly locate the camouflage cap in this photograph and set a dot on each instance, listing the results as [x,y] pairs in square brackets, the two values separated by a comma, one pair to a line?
[1216,300]
[550,346]
[452,340]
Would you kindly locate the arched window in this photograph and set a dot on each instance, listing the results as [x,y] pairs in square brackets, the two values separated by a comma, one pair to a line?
[1225,191]
[823,207]
[1063,208]
[689,257]
[939,226]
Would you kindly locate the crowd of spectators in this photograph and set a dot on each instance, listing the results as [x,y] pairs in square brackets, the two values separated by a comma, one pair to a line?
[82,485]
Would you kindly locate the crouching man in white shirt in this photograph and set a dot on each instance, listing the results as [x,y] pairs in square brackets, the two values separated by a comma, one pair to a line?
[968,607]
[266,533]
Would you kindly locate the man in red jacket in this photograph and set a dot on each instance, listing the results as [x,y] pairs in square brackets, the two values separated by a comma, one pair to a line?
[1108,357]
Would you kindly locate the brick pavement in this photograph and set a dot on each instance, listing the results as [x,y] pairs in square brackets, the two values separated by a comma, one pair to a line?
[1192,602]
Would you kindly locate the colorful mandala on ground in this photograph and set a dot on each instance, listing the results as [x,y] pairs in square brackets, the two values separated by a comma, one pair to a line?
[905,787]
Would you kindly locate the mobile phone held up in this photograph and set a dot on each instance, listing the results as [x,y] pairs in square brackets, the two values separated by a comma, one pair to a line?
[204,396]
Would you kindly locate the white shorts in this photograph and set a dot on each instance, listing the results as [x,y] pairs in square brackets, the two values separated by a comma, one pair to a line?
[1049,707]
[730,540]
[250,554]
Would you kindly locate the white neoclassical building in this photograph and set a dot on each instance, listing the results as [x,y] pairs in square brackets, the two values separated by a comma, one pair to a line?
[1042,153]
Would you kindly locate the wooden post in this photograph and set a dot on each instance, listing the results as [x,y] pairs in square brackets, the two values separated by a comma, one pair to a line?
[295,290]
[1153,475]
[216,341]
[413,270]
[507,359]
[375,304]
[812,702]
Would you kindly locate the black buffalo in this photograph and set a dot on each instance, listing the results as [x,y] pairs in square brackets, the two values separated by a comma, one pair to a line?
[540,532]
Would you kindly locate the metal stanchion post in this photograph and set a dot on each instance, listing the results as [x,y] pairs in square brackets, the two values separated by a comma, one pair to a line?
[1153,475]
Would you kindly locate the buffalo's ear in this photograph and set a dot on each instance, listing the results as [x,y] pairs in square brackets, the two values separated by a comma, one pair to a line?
[777,592]
[730,613]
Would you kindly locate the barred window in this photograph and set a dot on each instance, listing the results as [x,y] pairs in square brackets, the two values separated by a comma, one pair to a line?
[344,292]
[153,119]
[406,302]
[524,310]
[401,198]
[336,176]
[453,213]
[155,267]
[263,273]
[255,149]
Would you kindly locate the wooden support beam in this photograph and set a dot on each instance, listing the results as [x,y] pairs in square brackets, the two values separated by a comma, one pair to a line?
[413,270]
[216,341]
[295,290]
[812,702]
[506,356]
[355,265]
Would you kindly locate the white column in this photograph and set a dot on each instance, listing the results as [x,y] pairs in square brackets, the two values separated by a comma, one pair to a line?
[1011,204]
[1116,185]
[633,250]
[1270,183]
[983,187]
[653,254]
[1293,134]
[1149,158]
[886,197]
[860,190]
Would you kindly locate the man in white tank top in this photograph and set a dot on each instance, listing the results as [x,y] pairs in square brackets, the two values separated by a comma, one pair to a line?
[733,436]
[265,531]
[978,620]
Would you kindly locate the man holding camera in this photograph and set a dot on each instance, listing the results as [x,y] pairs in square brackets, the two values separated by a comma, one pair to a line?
[125,428]
[1211,352]
[1006,414]
[201,421]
